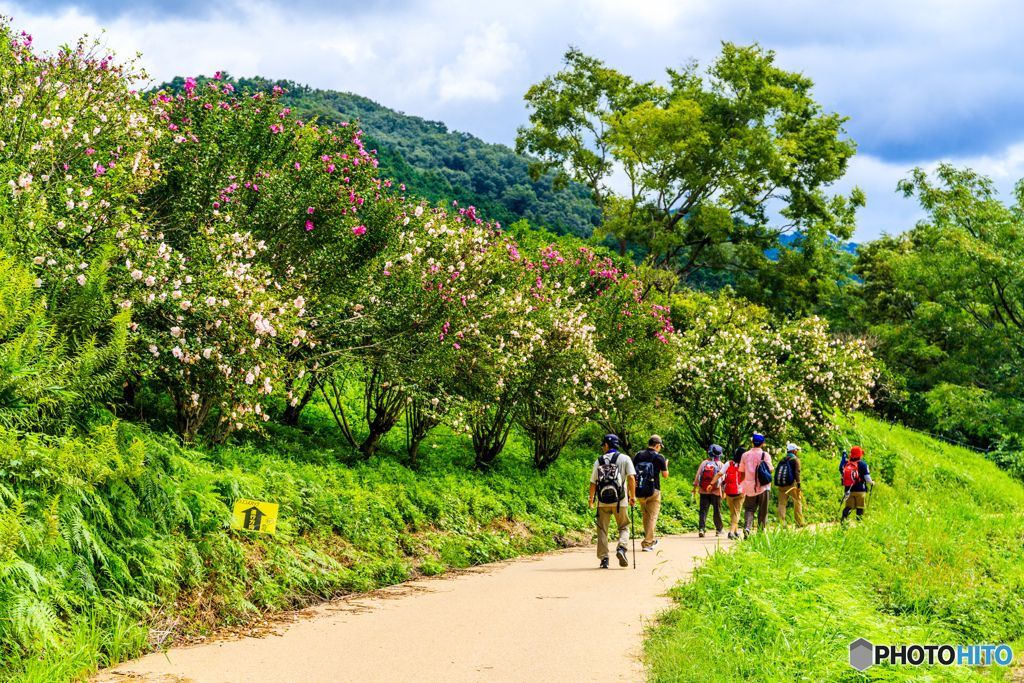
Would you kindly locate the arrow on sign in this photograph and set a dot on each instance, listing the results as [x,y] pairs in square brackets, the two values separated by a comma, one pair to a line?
[252,518]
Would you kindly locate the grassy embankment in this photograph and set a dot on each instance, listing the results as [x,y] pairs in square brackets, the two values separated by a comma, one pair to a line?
[939,559]
[109,539]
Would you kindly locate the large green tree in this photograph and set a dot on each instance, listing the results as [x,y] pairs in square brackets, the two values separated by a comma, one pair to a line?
[707,160]
[947,302]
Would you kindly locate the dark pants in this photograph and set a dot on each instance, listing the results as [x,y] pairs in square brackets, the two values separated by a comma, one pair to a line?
[759,503]
[710,500]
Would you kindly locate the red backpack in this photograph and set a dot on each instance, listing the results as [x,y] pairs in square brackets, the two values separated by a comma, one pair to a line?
[851,473]
[732,479]
[707,473]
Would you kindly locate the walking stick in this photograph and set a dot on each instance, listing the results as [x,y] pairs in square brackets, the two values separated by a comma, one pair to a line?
[632,536]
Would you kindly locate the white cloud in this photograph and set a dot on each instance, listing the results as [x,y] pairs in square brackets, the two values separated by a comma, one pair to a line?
[487,59]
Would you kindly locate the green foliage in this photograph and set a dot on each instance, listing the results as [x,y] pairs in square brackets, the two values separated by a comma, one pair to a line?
[437,164]
[937,559]
[703,158]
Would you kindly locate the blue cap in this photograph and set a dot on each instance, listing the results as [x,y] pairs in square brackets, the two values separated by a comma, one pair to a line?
[758,439]
[611,440]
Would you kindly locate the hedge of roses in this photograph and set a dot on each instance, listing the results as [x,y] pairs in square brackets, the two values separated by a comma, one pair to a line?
[260,258]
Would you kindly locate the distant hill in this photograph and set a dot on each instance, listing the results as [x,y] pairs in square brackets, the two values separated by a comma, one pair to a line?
[438,164]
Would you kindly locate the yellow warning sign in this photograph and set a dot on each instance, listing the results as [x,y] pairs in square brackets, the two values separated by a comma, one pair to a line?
[255,515]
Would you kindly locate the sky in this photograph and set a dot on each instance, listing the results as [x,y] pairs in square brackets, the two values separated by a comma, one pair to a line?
[921,82]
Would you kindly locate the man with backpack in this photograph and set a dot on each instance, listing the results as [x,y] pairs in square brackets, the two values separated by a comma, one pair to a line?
[788,485]
[612,480]
[756,476]
[856,480]
[733,490]
[651,467]
[710,492]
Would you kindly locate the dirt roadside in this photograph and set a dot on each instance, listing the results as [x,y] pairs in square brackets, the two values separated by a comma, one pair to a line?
[549,617]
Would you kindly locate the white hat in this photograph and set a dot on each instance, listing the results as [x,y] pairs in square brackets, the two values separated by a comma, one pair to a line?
[791,447]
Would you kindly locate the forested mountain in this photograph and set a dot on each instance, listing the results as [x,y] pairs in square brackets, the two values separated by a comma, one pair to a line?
[439,164]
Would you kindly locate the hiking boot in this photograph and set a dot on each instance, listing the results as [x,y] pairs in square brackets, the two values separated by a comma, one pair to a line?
[621,554]
[746,534]
[655,545]
[700,534]
[718,533]
[731,535]
[604,563]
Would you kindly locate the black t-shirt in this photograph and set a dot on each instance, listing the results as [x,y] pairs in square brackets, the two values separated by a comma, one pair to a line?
[657,459]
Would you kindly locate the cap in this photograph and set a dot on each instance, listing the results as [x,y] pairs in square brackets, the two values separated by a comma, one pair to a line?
[856,452]
[792,447]
[757,438]
[715,451]
[611,440]
[655,439]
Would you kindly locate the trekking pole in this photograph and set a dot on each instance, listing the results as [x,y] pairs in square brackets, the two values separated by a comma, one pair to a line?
[632,536]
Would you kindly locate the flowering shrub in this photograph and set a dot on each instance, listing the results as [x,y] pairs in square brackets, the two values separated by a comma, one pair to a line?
[736,375]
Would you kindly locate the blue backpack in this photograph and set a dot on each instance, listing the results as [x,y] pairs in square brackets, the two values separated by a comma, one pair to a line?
[645,479]
[763,473]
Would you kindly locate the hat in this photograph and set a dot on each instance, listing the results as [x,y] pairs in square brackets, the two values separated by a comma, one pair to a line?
[792,447]
[757,439]
[715,451]
[655,439]
[856,452]
[611,440]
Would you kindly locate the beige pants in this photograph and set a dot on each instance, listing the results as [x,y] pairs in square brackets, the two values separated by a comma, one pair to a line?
[604,515]
[735,507]
[786,494]
[649,508]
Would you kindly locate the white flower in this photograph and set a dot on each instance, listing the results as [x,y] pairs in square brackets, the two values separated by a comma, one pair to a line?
[176,351]
[136,274]
[38,260]
[185,305]
[176,294]
[81,280]
[300,302]
[153,350]
[207,352]
[150,281]
[418,211]
[175,332]
[250,378]
[210,301]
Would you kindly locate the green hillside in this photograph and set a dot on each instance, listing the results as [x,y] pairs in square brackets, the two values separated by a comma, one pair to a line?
[440,165]
[937,560]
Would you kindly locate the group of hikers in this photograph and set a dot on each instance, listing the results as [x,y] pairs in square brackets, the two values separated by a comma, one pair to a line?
[745,481]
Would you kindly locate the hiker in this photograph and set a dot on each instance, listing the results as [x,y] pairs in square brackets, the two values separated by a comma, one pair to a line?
[612,480]
[729,476]
[710,491]
[788,485]
[755,475]
[856,480]
[651,467]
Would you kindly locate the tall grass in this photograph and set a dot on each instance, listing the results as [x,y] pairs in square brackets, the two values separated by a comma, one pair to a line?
[939,558]
[104,537]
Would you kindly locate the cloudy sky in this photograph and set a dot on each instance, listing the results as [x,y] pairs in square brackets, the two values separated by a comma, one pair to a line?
[921,82]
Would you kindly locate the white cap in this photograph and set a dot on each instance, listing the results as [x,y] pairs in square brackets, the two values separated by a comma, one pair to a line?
[791,447]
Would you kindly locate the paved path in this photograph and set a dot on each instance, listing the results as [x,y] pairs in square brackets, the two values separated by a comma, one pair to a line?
[549,617]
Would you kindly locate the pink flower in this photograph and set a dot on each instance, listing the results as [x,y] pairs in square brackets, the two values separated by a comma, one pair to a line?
[309,210]
[359,230]
[90,151]
[309,225]
[330,168]
[190,84]
[217,75]
[455,345]
[298,167]
[81,280]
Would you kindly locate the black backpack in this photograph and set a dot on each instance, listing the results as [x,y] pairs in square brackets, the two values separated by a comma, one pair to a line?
[784,472]
[644,477]
[609,489]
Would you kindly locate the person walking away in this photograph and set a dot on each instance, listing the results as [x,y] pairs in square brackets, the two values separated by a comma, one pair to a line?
[856,480]
[710,492]
[612,482]
[757,484]
[788,486]
[729,481]
[651,467]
